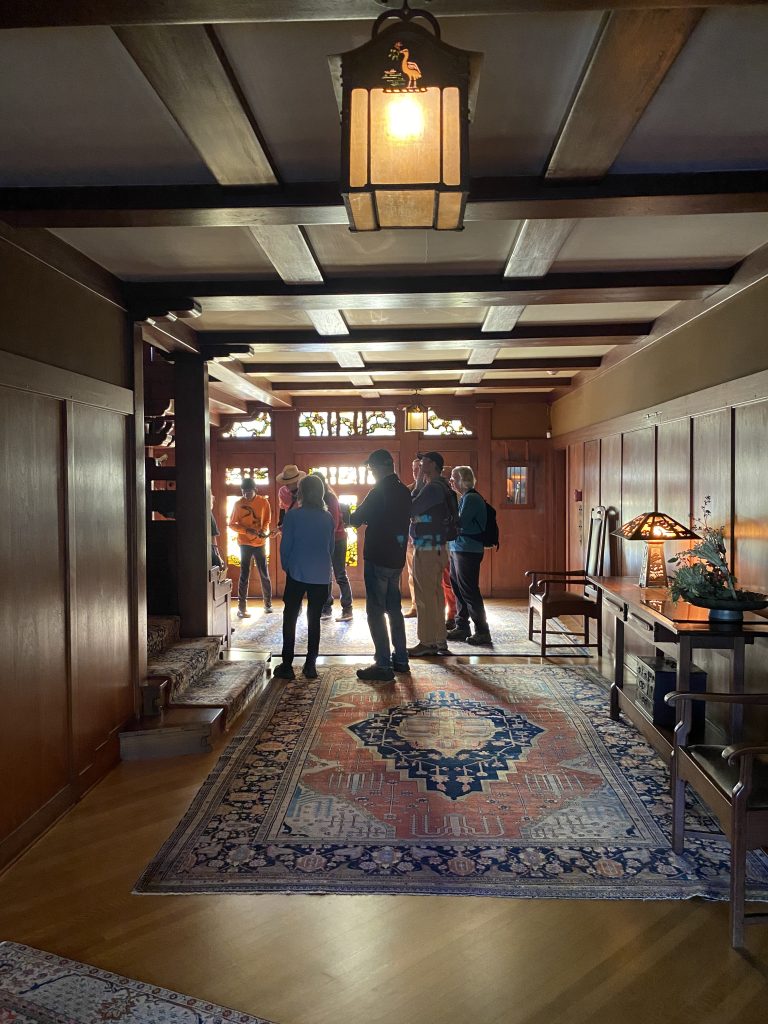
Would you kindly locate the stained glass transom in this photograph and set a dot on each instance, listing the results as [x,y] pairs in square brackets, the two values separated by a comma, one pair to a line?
[259,426]
[355,423]
[445,428]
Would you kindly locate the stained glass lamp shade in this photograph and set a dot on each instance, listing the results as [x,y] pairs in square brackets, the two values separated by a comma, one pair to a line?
[654,528]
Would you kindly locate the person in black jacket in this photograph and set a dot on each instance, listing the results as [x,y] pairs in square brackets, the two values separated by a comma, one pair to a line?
[386,511]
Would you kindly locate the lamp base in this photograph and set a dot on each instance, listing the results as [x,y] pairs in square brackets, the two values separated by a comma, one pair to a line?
[654,570]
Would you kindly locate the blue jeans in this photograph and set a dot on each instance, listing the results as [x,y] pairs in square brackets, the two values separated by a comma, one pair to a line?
[339,573]
[382,598]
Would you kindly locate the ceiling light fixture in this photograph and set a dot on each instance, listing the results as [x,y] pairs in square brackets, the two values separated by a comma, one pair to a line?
[405,99]
[416,416]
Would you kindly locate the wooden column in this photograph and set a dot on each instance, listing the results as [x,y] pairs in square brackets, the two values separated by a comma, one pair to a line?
[138,529]
[193,495]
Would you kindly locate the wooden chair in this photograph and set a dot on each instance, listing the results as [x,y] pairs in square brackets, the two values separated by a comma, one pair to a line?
[548,598]
[733,784]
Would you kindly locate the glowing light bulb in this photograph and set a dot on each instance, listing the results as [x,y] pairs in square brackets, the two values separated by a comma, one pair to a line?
[405,119]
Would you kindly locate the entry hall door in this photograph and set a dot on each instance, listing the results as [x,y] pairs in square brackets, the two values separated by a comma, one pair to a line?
[351,480]
[227,477]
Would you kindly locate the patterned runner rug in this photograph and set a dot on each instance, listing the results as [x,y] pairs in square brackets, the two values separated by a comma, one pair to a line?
[508,625]
[42,988]
[495,780]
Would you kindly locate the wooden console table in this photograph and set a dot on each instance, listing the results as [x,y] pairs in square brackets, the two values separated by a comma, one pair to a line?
[650,612]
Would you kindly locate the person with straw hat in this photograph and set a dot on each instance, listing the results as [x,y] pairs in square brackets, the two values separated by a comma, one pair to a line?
[289,479]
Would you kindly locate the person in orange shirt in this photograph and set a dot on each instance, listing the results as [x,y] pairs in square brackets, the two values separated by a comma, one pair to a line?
[250,519]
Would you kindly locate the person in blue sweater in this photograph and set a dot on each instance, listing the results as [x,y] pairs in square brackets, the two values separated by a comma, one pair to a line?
[466,555]
[306,553]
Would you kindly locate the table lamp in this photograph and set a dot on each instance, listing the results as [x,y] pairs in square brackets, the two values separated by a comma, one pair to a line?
[654,528]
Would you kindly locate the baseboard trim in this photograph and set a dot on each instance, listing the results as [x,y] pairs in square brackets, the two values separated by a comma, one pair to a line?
[36,826]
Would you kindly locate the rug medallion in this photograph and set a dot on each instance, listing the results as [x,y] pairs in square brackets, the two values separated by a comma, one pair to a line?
[483,780]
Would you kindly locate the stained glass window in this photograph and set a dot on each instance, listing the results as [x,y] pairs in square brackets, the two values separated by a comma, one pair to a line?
[234,475]
[259,426]
[344,476]
[354,423]
[445,428]
[380,423]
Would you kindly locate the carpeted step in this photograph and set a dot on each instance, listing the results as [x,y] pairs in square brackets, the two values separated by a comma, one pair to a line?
[231,685]
[162,631]
[185,662]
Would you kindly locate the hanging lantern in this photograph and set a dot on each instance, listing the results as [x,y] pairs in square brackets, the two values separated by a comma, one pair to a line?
[416,416]
[405,108]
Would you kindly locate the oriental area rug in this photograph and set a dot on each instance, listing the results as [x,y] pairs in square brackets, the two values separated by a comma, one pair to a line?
[42,988]
[491,780]
[508,625]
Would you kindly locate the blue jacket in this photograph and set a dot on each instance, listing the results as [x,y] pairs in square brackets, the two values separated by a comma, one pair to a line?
[306,546]
[472,517]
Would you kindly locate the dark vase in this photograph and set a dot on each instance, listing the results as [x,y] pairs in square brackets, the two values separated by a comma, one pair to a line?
[727,609]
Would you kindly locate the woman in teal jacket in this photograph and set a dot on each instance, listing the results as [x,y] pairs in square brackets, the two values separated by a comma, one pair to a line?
[466,555]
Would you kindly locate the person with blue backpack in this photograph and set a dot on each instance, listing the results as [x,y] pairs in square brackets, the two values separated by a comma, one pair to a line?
[467,552]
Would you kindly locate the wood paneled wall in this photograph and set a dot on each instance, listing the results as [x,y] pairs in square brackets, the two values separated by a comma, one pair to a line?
[70,620]
[673,465]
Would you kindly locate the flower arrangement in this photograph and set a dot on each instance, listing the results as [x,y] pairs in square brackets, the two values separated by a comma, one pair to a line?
[703,575]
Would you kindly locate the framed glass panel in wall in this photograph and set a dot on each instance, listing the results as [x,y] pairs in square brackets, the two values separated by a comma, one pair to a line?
[258,426]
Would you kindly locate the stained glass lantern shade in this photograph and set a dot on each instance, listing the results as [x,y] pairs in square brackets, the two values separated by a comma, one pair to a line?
[654,528]
[405,107]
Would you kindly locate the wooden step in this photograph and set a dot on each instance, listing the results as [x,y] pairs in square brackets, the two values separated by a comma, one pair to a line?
[177,731]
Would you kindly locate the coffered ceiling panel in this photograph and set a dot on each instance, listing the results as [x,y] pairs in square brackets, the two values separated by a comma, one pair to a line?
[594,312]
[256,320]
[532,64]
[627,243]
[710,111]
[481,248]
[75,110]
[412,317]
[172,253]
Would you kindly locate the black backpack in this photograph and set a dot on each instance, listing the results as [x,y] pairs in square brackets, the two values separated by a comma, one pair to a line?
[449,528]
[489,537]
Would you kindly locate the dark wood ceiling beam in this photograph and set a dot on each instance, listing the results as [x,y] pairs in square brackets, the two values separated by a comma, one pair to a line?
[54,13]
[411,339]
[188,70]
[533,383]
[635,51]
[65,260]
[246,386]
[441,292]
[436,366]
[170,336]
[219,396]
[308,203]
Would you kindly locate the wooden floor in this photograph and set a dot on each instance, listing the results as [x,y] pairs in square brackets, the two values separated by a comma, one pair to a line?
[303,959]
